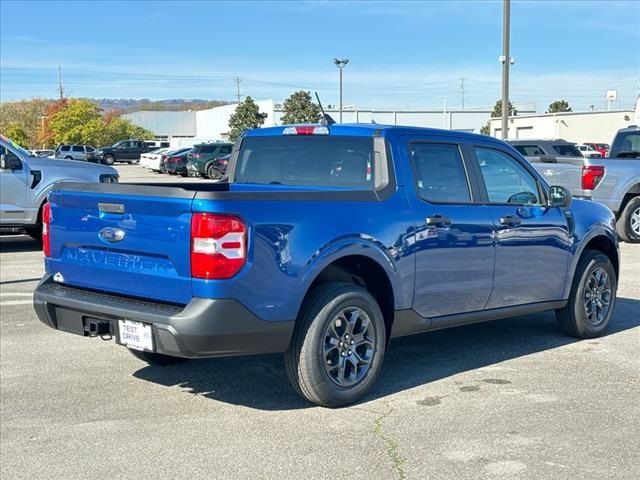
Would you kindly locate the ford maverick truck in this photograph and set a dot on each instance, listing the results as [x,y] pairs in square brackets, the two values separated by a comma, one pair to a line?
[323,243]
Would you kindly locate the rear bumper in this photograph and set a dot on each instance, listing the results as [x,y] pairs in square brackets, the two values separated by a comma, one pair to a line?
[202,328]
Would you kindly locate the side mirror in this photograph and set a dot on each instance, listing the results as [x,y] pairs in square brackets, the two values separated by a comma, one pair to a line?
[559,197]
[8,161]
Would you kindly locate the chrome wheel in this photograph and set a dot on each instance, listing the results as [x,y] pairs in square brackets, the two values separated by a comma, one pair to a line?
[635,221]
[597,296]
[349,346]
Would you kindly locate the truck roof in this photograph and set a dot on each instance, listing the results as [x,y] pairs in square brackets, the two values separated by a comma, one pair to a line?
[373,129]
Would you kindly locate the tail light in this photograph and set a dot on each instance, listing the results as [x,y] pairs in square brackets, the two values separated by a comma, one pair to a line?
[591,176]
[46,229]
[218,246]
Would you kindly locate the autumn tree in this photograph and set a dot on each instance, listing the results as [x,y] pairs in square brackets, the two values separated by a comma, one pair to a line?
[246,116]
[17,134]
[299,108]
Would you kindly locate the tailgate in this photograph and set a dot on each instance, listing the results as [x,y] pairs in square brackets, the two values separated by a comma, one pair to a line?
[124,240]
[566,175]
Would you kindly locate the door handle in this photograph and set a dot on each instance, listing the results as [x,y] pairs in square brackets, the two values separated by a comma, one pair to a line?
[438,221]
[510,221]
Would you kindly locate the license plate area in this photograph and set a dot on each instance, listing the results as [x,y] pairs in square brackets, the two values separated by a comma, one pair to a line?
[136,335]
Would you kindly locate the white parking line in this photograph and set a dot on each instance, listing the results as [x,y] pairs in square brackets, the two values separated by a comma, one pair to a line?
[15,302]
[15,294]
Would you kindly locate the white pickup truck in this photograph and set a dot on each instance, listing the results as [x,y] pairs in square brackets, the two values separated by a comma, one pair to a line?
[613,181]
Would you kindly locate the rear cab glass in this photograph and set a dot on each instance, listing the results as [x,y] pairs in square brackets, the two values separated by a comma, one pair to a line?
[307,160]
[529,150]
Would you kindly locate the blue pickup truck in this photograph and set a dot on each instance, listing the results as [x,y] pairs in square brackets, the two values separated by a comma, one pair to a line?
[326,242]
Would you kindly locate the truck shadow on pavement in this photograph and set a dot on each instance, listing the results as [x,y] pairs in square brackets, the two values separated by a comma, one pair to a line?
[260,382]
[18,243]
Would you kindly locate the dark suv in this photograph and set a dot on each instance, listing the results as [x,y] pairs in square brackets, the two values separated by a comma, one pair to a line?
[202,156]
[122,151]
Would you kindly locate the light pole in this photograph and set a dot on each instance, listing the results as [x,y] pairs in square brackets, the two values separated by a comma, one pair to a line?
[340,63]
[42,119]
[506,61]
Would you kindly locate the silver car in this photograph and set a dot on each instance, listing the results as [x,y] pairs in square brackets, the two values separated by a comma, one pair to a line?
[26,180]
[75,152]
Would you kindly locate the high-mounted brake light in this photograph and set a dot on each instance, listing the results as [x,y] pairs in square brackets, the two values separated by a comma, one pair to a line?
[46,229]
[306,130]
[218,246]
[591,176]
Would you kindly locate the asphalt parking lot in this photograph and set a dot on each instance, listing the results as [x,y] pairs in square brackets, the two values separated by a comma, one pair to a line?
[507,399]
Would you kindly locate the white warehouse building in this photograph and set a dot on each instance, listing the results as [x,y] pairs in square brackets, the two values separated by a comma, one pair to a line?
[578,127]
[213,124]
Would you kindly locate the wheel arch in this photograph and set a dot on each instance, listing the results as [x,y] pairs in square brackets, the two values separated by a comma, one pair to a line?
[364,265]
[601,241]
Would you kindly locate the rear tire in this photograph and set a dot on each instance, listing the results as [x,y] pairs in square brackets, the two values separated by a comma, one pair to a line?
[338,345]
[108,159]
[156,358]
[212,173]
[592,298]
[628,225]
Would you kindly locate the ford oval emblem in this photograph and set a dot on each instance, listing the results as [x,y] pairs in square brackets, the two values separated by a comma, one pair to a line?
[111,235]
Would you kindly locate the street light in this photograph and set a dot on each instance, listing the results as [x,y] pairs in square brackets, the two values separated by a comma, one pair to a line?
[340,63]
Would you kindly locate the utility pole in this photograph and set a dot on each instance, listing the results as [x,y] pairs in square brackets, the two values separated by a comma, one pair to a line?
[60,85]
[340,63]
[237,80]
[462,93]
[506,61]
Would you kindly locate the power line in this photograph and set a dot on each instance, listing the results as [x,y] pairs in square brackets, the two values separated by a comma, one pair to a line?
[60,85]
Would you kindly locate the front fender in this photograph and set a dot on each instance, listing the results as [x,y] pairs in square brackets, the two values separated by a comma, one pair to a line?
[604,226]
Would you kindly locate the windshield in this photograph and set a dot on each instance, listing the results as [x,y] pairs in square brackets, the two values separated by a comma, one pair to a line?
[14,146]
[307,160]
[626,144]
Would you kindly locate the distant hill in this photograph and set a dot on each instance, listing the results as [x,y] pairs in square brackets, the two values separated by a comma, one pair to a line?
[127,105]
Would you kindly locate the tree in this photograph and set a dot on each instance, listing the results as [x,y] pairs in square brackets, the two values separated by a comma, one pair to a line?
[246,116]
[497,113]
[26,114]
[559,106]
[17,134]
[80,121]
[299,108]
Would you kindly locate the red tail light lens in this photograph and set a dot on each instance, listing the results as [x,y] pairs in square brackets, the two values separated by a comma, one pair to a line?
[591,176]
[46,231]
[218,246]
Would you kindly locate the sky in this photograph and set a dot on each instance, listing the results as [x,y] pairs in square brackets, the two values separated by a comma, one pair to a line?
[402,54]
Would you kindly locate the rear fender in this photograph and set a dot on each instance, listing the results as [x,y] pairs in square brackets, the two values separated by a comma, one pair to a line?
[363,246]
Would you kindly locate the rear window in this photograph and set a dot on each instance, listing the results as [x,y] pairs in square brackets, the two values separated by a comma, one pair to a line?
[567,150]
[323,161]
[626,144]
[205,148]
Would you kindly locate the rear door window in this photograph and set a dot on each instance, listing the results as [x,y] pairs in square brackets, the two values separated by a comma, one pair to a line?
[439,173]
[529,150]
[567,150]
[307,160]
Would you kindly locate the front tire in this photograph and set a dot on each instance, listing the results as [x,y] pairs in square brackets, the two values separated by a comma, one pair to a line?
[156,358]
[213,173]
[108,159]
[338,346]
[592,297]
[628,225]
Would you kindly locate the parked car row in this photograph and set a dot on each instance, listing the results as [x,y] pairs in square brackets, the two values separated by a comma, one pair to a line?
[208,160]
[613,181]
